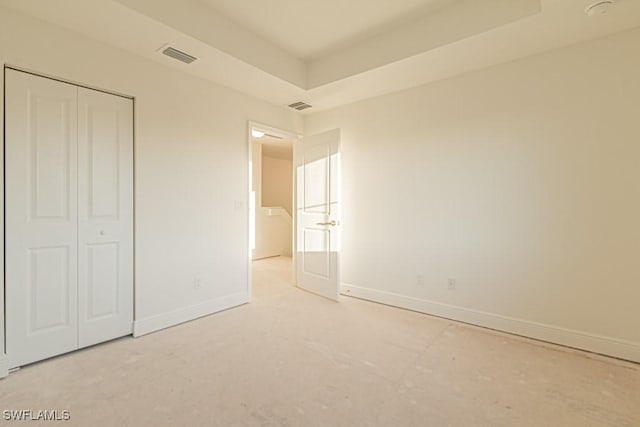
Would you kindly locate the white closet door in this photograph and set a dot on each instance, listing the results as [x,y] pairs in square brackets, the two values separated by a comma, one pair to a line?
[105,210]
[41,218]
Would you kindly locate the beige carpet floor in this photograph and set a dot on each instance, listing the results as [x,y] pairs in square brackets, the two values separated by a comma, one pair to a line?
[294,359]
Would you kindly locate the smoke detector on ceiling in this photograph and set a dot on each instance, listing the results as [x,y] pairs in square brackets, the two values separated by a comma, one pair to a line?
[599,8]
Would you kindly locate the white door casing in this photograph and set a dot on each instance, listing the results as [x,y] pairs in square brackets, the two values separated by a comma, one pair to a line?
[105,216]
[69,221]
[41,218]
[317,162]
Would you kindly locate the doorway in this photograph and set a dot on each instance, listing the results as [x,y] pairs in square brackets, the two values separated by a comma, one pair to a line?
[299,216]
[271,193]
[271,204]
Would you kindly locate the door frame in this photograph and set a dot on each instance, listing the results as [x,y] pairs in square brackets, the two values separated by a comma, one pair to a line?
[5,67]
[295,137]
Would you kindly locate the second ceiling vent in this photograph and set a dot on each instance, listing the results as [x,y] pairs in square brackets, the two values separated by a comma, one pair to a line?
[299,105]
[178,54]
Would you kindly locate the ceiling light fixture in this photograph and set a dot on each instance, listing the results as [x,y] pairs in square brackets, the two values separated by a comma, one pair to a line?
[256,133]
[599,8]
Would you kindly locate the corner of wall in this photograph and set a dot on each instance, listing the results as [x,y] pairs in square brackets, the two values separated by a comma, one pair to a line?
[4,366]
[186,314]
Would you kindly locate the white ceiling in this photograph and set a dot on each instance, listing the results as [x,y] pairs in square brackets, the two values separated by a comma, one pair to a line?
[330,52]
[308,29]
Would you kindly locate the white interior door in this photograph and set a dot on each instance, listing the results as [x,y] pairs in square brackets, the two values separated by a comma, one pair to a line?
[317,213]
[41,218]
[105,216]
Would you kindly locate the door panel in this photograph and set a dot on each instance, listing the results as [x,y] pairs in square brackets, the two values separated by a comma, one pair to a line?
[102,280]
[316,179]
[49,149]
[317,255]
[103,155]
[48,289]
[41,219]
[317,216]
[105,216]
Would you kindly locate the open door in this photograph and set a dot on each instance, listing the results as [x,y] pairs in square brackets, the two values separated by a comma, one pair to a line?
[317,160]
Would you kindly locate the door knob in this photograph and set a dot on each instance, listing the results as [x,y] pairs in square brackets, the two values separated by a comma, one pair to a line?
[103,233]
[332,223]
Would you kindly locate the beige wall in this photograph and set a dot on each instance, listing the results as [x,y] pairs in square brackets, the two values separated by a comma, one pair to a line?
[277,182]
[521,181]
[190,167]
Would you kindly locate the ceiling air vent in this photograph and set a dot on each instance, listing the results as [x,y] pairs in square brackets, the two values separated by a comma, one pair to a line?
[299,105]
[179,55]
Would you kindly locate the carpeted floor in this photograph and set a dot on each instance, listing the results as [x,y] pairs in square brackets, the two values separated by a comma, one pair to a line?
[294,359]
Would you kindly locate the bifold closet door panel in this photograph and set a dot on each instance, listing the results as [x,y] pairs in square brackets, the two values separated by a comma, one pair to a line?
[41,217]
[105,216]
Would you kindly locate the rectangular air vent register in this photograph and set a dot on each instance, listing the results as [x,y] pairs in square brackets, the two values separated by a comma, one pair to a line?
[177,54]
[300,105]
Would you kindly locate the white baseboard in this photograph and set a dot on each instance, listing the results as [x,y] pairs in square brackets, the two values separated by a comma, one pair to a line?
[172,318]
[4,366]
[621,349]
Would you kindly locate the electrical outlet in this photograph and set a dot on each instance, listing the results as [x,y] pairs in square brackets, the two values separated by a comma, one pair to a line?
[420,279]
[196,283]
[451,284]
